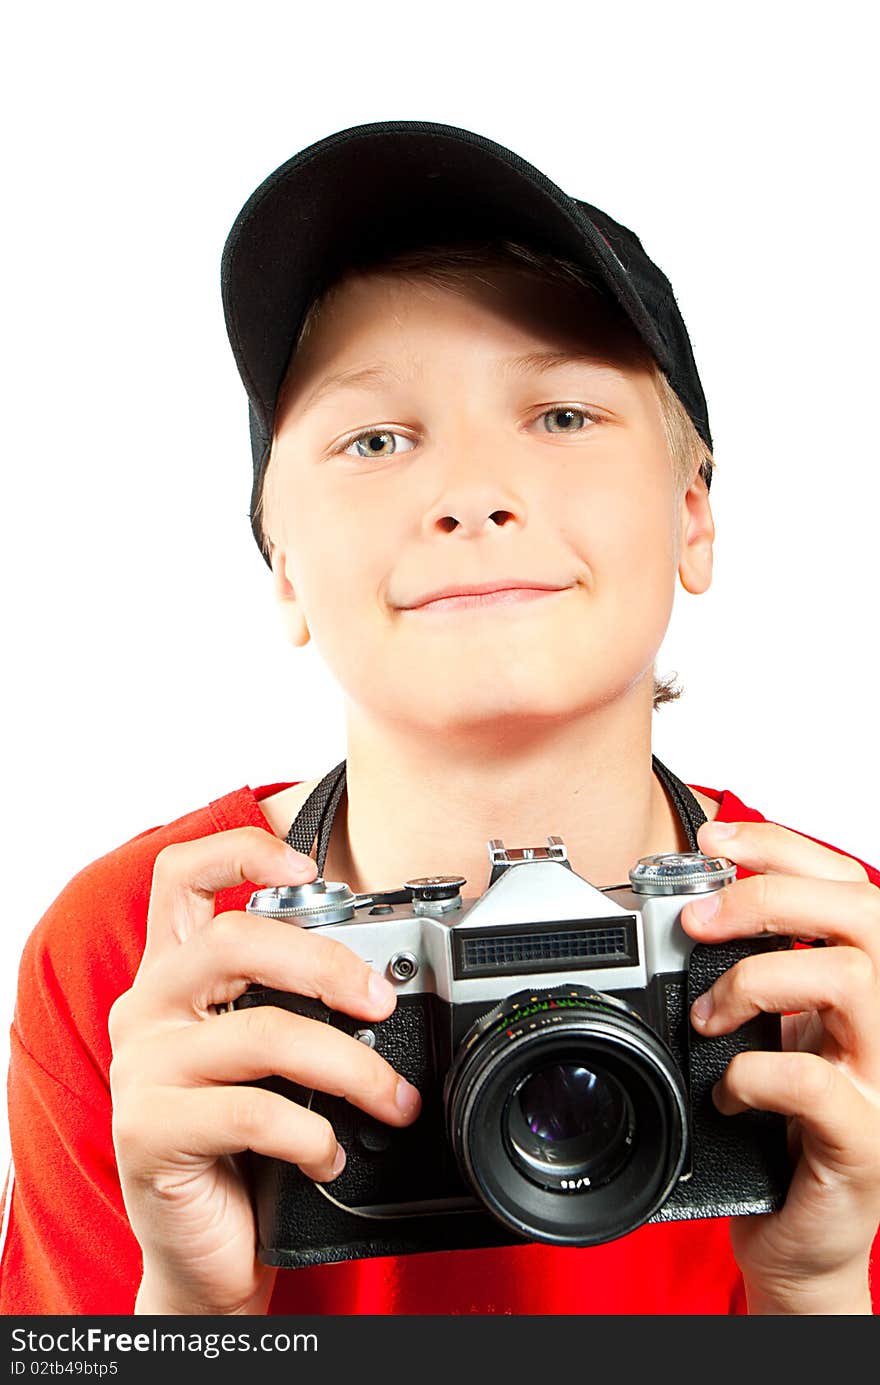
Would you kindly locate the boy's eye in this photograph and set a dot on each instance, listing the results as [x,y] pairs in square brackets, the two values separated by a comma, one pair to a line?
[376,444]
[565,420]
[382,443]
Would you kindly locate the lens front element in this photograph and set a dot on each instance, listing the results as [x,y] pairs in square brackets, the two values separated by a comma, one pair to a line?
[567,1126]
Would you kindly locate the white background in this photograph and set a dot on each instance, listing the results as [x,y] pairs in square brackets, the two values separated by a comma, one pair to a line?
[146,669]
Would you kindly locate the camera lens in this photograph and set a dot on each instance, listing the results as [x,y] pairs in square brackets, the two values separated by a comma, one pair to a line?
[566,1122]
[567,1115]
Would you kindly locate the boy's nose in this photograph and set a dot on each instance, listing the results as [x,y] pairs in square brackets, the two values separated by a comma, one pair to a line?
[474,511]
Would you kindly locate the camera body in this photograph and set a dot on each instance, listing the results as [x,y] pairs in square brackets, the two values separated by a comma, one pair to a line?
[566,1097]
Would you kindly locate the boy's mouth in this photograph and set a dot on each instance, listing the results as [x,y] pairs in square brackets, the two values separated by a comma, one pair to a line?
[505,593]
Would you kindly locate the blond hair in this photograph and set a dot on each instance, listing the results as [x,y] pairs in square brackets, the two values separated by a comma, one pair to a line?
[453,268]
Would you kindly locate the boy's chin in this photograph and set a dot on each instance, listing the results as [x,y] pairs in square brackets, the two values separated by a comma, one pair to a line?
[493,714]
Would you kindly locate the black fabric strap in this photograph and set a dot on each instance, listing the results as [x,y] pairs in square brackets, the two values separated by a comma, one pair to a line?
[689,811]
[315,817]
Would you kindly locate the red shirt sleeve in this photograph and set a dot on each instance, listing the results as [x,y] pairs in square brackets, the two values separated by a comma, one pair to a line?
[68,1246]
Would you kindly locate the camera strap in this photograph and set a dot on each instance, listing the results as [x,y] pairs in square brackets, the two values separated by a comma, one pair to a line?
[315,817]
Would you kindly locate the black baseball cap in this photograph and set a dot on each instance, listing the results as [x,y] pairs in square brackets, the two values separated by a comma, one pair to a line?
[424,183]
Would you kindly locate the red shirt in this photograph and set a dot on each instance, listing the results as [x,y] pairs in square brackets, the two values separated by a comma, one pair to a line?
[68,1246]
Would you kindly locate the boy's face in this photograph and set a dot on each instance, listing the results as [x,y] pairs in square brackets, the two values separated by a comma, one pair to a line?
[472,471]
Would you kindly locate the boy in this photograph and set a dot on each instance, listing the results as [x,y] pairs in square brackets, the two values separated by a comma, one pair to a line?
[483,531]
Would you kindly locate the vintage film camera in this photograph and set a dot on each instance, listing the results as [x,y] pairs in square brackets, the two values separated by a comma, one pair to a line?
[566,1098]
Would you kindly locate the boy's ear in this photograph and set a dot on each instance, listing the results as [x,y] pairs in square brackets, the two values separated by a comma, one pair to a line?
[292,613]
[697,536]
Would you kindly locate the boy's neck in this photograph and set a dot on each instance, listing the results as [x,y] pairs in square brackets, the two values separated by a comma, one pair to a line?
[427,805]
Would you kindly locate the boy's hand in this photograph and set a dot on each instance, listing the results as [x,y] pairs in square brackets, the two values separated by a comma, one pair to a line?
[177,1112]
[811,1256]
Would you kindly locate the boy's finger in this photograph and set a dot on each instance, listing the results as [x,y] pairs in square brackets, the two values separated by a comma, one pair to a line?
[838,911]
[187,875]
[817,1092]
[234,949]
[196,1125]
[267,1041]
[765,846]
[839,982]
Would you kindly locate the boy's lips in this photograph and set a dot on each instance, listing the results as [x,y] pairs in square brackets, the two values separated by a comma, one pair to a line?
[506,592]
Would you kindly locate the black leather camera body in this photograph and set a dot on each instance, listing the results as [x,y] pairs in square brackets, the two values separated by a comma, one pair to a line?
[566,1098]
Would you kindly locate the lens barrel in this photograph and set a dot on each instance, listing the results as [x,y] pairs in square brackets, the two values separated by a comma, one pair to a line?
[567,1115]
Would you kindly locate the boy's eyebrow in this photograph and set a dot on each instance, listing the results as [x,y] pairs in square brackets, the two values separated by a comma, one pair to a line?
[530,363]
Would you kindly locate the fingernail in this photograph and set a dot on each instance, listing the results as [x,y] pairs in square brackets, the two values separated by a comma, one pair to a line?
[338,1162]
[702,1008]
[297,861]
[381,990]
[722,829]
[705,907]
[406,1098]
